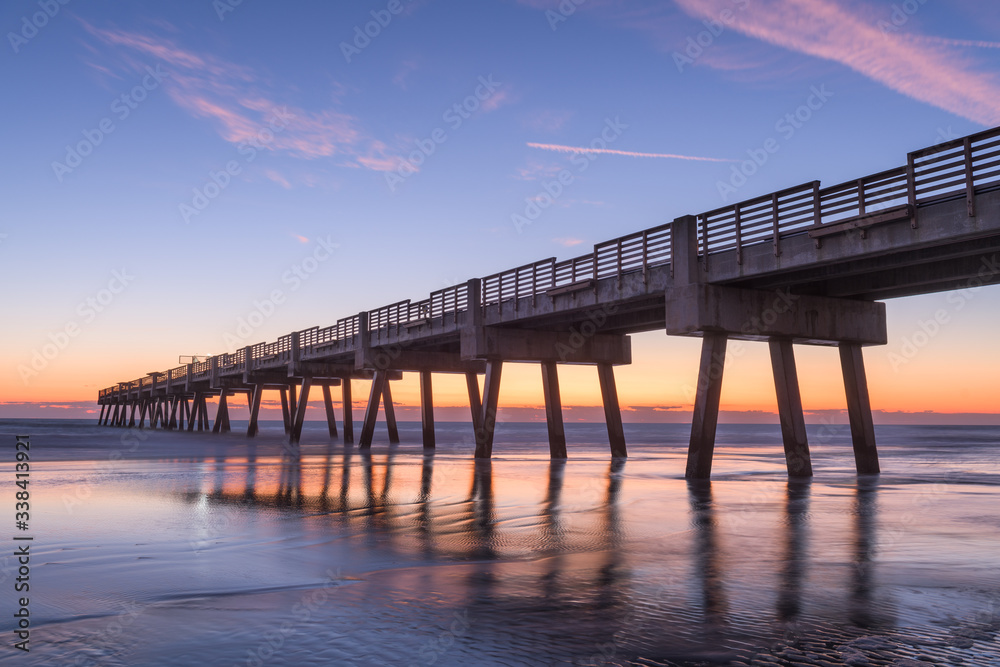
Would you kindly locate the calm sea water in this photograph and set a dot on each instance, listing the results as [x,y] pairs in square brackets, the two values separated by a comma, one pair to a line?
[155,548]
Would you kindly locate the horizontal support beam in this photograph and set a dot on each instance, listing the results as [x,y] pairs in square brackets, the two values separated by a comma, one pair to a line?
[760,315]
[420,360]
[565,348]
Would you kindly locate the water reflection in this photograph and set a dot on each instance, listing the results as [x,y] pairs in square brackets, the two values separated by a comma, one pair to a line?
[796,552]
[707,558]
[576,553]
[865,543]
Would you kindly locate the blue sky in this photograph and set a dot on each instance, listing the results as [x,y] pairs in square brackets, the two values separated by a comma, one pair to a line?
[329,198]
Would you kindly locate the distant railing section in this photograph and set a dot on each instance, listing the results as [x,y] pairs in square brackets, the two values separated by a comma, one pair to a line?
[949,170]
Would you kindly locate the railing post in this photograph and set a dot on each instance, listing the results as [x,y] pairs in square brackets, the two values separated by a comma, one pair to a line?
[619,263]
[817,206]
[684,250]
[645,257]
[247,363]
[739,236]
[213,376]
[861,196]
[703,230]
[911,181]
[970,185]
[187,379]
[776,224]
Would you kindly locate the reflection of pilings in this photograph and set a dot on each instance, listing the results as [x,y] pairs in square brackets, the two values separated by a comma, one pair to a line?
[290,480]
[611,576]
[425,526]
[483,514]
[864,552]
[708,567]
[251,483]
[551,527]
[345,479]
[796,549]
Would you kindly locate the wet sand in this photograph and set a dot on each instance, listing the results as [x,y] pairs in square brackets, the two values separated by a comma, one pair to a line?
[197,549]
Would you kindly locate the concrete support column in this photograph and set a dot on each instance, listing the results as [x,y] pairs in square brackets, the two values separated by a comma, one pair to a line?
[390,413]
[194,412]
[371,411]
[793,423]
[131,418]
[286,417]
[348,406]
[553,410]
[331,416]
[706,406]
[174,401]
[222,416]
[427,409]
[612,411]
[859,408]
[252,427]
[300,411]
[475,402]
[100,417]
[488,421]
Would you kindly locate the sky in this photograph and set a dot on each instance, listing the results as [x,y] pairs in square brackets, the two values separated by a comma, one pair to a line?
[187,178]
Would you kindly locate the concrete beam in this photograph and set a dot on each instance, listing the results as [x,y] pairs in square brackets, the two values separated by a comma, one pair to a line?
[419,361]
[543,346]
[757,315]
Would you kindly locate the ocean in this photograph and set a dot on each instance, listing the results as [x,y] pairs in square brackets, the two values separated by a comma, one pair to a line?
[166,548]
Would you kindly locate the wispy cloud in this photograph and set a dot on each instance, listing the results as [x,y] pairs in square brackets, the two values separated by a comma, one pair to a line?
[240,105]
[611,151]
[832,30]
[568,242]
[278,178]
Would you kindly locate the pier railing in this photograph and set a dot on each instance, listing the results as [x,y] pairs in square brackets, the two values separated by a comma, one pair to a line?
[951,170]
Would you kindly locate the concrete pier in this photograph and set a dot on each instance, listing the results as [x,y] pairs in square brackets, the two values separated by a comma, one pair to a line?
[807,265]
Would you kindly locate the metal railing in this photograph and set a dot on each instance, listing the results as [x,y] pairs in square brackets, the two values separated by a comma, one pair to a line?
[950,170]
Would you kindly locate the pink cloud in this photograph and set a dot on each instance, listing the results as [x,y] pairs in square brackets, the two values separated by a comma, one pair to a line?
[938,75]
[280,180]
[243,109]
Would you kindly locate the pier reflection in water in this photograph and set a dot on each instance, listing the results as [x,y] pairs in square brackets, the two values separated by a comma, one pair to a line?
[587,561]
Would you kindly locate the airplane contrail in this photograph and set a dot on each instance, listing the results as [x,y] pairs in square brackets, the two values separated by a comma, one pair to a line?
[670,156]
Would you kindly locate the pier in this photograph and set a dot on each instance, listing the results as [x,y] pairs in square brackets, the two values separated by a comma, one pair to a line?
[808,265]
